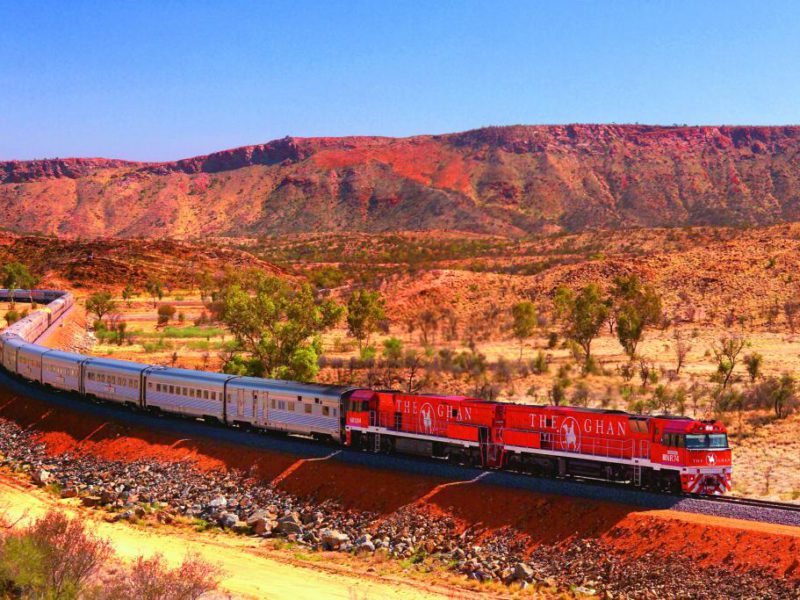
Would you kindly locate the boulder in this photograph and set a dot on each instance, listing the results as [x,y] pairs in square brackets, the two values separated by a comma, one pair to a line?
[367,546]
[218,502]
[69,492]
[228,519]
[41,476]
[333,539]
[289,525]
[260,526]
[523,572]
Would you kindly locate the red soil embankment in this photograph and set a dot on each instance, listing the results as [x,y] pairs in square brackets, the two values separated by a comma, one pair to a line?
[630,532]
[64,430]
[546,520]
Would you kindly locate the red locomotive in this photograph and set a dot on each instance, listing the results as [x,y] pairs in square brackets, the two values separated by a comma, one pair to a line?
[655,452]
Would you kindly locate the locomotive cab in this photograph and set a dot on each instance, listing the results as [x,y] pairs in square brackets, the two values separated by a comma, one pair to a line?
[700,449]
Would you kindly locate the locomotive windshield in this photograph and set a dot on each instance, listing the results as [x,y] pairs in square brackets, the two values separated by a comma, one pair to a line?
[708,440]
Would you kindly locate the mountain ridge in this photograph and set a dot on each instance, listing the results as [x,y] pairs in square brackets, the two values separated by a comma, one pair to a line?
[513,180]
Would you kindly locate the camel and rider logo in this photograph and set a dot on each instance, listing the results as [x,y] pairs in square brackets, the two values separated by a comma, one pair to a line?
[570,434]
[711,459]
[427,418]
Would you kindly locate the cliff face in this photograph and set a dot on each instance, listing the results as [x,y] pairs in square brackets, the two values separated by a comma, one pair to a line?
[504,180]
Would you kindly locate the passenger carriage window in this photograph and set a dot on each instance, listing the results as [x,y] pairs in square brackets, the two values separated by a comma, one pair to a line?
[299,398]
[326,411]
[205,394]
[273,404]
[213,395]
[308,409]
[334,412]
[172,389]
[291,406]
[281,405]
[316,400]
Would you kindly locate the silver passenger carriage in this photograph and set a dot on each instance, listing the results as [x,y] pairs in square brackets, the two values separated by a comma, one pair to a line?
[186,392]
[11,345]
[29,361]
[302,408]
[116,380]
[62,370]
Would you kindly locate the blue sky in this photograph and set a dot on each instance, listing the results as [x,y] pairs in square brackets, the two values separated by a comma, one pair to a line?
[164,80]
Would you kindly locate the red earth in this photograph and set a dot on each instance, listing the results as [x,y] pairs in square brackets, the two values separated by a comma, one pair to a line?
[546,519]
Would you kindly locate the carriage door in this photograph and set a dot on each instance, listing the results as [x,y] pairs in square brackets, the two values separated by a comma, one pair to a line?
[262,400]
[240,403]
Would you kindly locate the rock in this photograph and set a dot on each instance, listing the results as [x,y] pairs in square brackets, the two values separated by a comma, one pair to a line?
[69,492]
[227,519]
[259,515]
[367,546]
[523,572]
[260,526]
[289,525]
[41,476]
[333,539]
[218,502]
[91,501]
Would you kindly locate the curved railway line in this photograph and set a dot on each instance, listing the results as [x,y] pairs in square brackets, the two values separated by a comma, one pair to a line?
[577,486]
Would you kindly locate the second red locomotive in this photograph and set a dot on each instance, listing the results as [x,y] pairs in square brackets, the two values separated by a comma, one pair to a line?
[662,453]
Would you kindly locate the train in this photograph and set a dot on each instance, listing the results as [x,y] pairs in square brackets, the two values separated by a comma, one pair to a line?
[655,452]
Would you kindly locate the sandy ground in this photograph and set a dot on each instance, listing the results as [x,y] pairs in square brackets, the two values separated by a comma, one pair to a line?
[250,571]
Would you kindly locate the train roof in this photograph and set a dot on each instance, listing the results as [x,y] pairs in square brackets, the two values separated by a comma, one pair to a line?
[118,365]
[69,356]
[190,375]
[34,349]
[296,387]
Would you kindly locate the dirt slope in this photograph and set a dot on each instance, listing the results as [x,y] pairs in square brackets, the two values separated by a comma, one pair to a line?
[505,180]
[249,570]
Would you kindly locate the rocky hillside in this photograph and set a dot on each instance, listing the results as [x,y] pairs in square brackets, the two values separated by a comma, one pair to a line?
[504,180]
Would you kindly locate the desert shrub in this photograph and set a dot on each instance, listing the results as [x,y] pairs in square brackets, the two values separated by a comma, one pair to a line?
[539,364]
[778,394]
[12,316]
[151,579]
[580,395]
[552,340]
[53,558]
[165,313]
[393,349]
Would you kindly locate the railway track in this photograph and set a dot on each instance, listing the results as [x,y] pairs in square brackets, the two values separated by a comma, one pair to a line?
[739,501]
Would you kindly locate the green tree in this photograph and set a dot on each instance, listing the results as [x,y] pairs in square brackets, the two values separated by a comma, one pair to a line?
[726,352]
[278,325]
[128,293]
[100,304]
[155,289]
[365,310]
[583,315]
[17,276]
[635,307]
[524,322]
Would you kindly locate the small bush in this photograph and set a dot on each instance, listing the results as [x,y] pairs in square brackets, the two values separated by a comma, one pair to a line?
[539,364]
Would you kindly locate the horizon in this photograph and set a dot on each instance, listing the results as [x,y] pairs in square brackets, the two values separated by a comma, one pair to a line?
[152,82]
[418,135]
